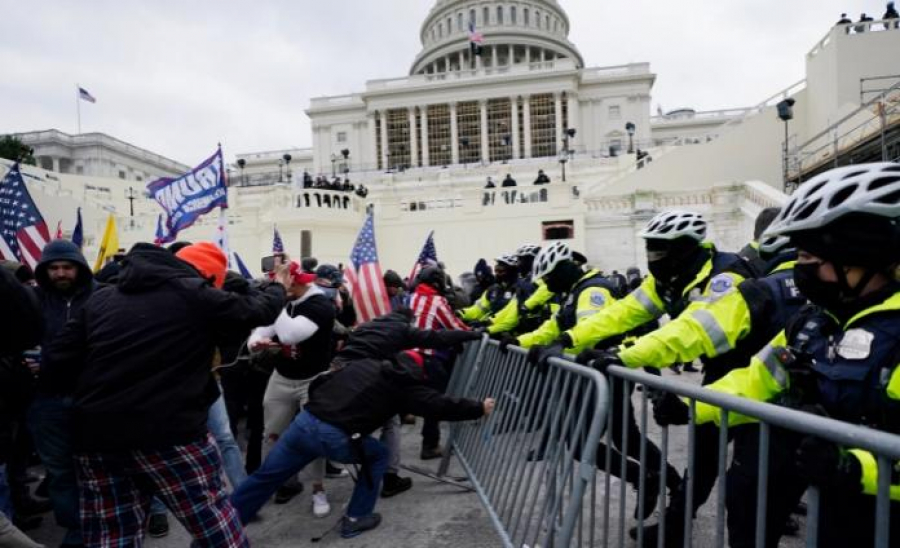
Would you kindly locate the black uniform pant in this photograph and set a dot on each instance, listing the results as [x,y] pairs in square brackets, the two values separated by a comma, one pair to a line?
[437,371]
[244,389]
[844,519]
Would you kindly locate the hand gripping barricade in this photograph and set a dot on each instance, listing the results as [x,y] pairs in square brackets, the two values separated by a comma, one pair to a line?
[533,462]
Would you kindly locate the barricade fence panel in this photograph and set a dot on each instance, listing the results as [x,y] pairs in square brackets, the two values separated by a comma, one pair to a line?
[571,457]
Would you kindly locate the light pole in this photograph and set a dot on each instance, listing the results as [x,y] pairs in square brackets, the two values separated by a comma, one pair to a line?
[287,162]
[630,128]
[346,154]
[786,114]
[131,195]
[333,169]
[564,154]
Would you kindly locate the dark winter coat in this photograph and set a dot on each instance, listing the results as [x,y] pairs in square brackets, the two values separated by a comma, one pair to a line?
[136,358]
[361,397]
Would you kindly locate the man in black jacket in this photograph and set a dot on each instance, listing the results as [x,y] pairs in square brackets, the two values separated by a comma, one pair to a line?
[381,339]
[345,407]
[21,330]
[64,284]
[136,360]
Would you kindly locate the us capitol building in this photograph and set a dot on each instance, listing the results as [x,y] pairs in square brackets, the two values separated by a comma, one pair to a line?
[425,144]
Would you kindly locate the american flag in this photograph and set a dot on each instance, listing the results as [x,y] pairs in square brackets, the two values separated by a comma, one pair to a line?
[84,95]
[277,244]
[221,239]
[23,230]
[427,257]
[78,232]
[365,276]
[475,37]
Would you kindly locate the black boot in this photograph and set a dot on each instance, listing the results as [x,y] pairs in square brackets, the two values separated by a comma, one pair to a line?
[651,495]
[394,485]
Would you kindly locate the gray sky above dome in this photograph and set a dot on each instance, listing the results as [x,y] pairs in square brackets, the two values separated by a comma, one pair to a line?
[178,77]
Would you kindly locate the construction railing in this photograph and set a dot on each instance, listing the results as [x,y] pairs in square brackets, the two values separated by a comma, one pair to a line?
[548,476]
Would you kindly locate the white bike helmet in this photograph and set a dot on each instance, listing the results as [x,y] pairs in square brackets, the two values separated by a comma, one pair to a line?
[549,257]
[872,189]
[771,245]
[508,259]
[672,225]
[528,250]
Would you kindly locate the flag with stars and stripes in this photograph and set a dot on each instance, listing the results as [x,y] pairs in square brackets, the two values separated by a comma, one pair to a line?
[277,243]
[428,257]
[365,276]
[23,230]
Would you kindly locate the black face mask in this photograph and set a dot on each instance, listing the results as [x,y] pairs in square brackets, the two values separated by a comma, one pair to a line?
[819,292]
[563,277]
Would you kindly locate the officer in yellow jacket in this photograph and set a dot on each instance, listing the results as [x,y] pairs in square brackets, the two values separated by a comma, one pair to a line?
[496,297]
[530,307]
[839,357]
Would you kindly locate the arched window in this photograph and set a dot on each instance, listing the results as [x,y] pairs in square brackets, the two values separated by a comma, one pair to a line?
[449,26]
[499,15]
[537,18]
[547,20]
[472,16]
[525,19]
[440,30]
[486,17]
[512,16]
[459,22]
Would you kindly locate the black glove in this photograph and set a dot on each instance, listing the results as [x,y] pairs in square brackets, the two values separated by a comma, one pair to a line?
[506,340]
[474,335]
[599,359]
[540,355]
[669,409]
[824,464]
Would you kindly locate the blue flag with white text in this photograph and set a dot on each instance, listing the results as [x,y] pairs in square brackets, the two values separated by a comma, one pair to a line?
[187,198]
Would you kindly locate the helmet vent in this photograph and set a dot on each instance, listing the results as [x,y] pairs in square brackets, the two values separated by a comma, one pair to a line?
[882,182]
[850,175]
[891,199]
[842,195]
[808,210]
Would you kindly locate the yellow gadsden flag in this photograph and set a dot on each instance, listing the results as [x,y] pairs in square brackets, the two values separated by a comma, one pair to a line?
[109,246]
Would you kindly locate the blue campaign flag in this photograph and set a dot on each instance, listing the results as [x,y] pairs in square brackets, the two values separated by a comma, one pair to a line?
[242,268]
[187,198]
[78,233]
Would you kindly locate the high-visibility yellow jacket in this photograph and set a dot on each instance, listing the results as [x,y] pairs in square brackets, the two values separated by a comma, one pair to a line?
[592,294]
[760,307]
[718,277]
[493,300]
[867,342]
[508,319]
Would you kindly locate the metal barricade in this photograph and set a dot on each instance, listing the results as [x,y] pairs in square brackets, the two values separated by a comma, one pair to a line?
[769,420]
[532,462]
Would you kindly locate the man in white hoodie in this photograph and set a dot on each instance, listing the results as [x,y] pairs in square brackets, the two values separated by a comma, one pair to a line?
[302,334]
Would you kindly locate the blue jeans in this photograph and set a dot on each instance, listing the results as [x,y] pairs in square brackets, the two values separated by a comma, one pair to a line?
[220,428]
[49,419]
[305,440]
[5,499]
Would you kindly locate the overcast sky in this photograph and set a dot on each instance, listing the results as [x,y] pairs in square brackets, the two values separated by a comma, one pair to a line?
[177,77]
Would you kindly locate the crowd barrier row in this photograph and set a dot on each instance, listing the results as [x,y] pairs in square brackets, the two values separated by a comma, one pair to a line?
[534,462]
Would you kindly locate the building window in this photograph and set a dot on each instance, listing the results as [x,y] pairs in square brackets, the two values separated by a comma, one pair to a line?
[615,144]
[525,19]
[547,21]
[537,18]
[440,30]
[543,126]
[379,144]
[121,174]
[459,22]
[79,170]
[398,138]
[499,15]
[472,17]
[342,137]
[139,178]
[486,17]
[449,26]
[468,120]
[513,20]
[556,25]
[615,112]
[499,130]
[439,152]
[558,230]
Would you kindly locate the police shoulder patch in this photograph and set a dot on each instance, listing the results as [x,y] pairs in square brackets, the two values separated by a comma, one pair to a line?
[721,284]
[598,299]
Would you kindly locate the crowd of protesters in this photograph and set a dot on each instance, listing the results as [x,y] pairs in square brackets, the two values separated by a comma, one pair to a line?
[335,184]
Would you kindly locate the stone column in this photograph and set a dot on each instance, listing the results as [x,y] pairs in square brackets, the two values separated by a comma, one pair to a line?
[384,141]
[543,55]
[527,55]
[526,119]
[512,55]
[462,60]
[516,145]
[575,114]
[454,135]
[485,149]
[413,142]
[373,141]
[426,154]
[55,160]
[494,57]
[557,104]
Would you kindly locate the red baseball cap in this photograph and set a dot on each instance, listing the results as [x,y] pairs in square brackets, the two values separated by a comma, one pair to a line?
[300,276]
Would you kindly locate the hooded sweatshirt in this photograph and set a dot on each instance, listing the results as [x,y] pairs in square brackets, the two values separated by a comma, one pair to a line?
[136,358]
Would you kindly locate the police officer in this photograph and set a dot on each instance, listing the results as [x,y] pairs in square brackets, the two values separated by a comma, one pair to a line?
[492,301]
[687,275]
[726,335]
[531,305]
[838,357]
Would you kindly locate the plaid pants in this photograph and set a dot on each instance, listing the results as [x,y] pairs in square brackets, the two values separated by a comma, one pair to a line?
[116,490]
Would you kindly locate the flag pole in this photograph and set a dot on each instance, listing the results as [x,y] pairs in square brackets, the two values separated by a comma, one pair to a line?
[78,106]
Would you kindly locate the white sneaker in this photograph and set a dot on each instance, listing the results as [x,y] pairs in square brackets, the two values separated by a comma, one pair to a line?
[321,508]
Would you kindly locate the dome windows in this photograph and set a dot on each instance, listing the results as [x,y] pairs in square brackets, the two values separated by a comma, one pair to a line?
[499,15]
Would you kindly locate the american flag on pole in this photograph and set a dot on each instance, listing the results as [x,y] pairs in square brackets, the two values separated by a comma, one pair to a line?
[222,235]
[277,243]
[85,96]
[476,39]
[365,276]
[428,257]
[23,232]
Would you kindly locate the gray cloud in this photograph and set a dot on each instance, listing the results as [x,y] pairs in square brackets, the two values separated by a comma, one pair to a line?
[177,77]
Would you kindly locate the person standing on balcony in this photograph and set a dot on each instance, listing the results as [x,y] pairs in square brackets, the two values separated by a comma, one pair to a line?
[891,16]
[509,196]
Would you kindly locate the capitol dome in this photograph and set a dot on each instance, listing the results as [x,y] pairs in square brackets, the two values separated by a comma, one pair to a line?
[515,32]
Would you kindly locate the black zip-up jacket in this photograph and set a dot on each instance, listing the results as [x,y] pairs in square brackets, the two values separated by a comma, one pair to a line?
[385,336]
[361,397]
[137,356]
